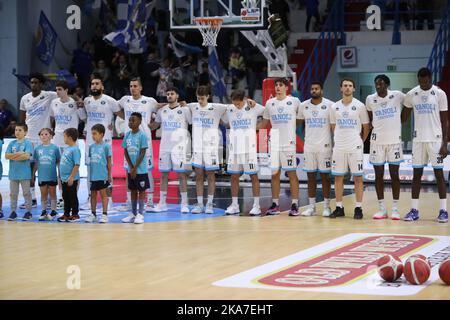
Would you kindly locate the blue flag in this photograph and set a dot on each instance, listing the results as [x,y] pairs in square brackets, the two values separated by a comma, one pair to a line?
[132,16]
[182,49]
[46,40]
[216,74]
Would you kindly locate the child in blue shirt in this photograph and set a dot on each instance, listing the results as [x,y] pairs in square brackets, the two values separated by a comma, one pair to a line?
[100,154]
[46,159]
[2,130]
[19,153]
[135,144]
[70,176]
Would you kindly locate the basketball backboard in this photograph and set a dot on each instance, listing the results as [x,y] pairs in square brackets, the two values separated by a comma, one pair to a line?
[238,14]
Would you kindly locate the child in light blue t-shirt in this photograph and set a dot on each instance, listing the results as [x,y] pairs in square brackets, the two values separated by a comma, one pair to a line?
[69,172]
[19,153]
[100,154]
[46,159]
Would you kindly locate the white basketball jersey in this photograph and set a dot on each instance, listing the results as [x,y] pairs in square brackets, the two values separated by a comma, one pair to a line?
[387,124]
[242,137]
[37,112]
[282,115]
[100,111]
[205,126]
[146,106]
[175,136]
[427,107]
[317,124]
[66,115]
[348,120]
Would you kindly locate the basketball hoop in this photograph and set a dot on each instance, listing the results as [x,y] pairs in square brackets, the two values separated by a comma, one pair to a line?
[209,28]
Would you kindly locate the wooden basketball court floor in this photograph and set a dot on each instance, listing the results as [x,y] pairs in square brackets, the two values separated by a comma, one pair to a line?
[182,259]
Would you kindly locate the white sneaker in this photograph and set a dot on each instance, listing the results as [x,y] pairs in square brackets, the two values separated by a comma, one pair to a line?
[86,205]
[129,219]
[380,215]
[256,210]
[232,209]
[209,208]
[160,207]
[125,207]
[139,219]
[198,208]
[90,218]
[311,211]
[395,215]
[103,219]
[184,208]
[326,212]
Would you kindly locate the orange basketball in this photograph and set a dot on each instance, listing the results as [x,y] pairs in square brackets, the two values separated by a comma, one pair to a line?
[421,256]
[444,271]
[417,270]
[390,268]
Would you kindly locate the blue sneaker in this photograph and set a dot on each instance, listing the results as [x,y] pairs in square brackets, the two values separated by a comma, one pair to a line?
[413,215]
[443,216]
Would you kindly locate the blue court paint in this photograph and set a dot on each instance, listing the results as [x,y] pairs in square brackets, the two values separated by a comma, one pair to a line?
[173,214]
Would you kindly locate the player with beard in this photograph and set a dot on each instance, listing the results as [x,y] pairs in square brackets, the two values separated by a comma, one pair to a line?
[315,113]
[100,109]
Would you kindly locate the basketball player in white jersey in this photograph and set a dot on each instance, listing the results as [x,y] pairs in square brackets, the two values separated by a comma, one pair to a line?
[315,113]
[281,113]
[35,112]
[100,108]
[65,114]
[146,106]
[175,147]
[347,117]
[429,139]
[205,142]
[384,108]
[242,153]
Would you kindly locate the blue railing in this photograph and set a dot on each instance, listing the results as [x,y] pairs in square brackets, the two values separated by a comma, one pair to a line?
[441,45]
[324,51]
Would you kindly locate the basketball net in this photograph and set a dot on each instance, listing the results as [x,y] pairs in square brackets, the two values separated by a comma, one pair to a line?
[209,28]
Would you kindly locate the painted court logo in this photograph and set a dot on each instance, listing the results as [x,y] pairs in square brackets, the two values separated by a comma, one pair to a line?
[344,265]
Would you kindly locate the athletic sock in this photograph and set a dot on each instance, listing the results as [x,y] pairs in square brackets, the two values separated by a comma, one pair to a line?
[210,198]
[141,206]
[275,201]
[312,202]
[134,206]
[381,205]
[162,197]
[256,201]
[339,204]
[295,201]
[415,204]
[443,204]
[395,204]
[326,203]
[53,205]
[184,197]
[358,205]
[200,200]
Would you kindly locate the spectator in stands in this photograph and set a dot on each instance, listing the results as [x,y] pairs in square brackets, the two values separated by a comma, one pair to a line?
[190,80]
[83,64]
[150,79]
[105,73]
[424,11]
[164,82]
[282,9]
[236,67]
[203,77]
[312,10]
[122,75]
[6,118]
